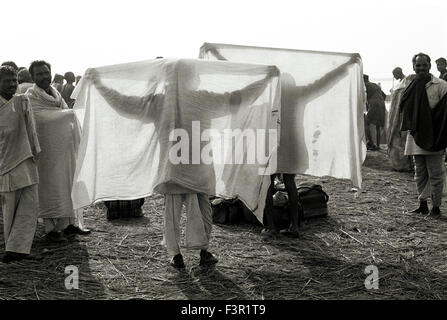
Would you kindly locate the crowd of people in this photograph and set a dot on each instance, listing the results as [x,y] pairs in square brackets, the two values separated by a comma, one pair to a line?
[36,174]
[25,81]
[34,184]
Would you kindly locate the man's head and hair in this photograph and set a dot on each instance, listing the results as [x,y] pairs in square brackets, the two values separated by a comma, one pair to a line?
[7,70]
[40,71]
[69,77]
[441,65]
[188,74]
[11,64]
[365,78]
[398,74]
[8,81]
[58,78]
[421,63]
[24,76]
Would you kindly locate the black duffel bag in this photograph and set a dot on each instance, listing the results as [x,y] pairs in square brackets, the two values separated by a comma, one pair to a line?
[117,209]
[313,201]
[232,211]
[226,211]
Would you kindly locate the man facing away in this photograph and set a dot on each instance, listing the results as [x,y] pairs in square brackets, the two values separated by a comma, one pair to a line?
[198,208]
[59,138]
[375,117]
[399,76]
[25,81]
[429,166]
[19,148]
[291,97]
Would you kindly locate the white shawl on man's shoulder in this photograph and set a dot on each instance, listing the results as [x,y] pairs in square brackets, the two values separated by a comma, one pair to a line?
[41,100]
[59,136]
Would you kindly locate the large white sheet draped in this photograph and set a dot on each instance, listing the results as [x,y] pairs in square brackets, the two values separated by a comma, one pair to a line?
[126,124]
[322,106]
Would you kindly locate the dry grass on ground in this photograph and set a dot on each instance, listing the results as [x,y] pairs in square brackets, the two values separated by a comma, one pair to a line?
[124,259]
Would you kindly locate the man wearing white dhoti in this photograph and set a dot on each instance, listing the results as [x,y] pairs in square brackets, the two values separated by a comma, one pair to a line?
[19,148]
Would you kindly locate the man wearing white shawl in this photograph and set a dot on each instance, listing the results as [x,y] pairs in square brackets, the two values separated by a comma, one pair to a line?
[59,137]
[19,148]
[198,208]
[291,157]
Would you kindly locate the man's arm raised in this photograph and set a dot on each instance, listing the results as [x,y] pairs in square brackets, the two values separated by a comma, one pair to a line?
[323,84]
[248,94]
[134,106]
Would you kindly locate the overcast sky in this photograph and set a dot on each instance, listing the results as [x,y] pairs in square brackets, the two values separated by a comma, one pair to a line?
[75,35]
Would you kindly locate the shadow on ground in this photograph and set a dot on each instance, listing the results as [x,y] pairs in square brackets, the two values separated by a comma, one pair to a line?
[52,277]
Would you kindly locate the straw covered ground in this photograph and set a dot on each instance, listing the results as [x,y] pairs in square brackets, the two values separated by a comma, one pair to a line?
[123,259]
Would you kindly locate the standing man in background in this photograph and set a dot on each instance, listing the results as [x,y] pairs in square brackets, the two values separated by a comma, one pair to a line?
[421,96]
[58,82]
[68,88]
[441,65]
[399,76]
[375,117]
[25,81]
